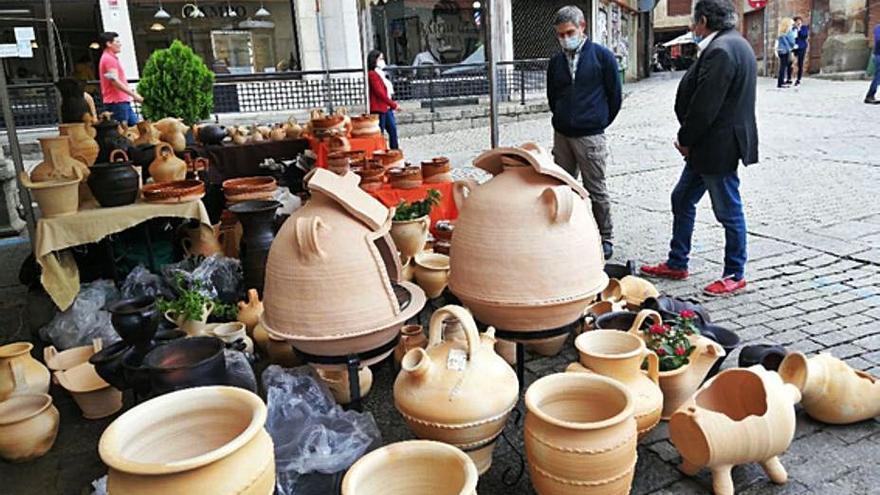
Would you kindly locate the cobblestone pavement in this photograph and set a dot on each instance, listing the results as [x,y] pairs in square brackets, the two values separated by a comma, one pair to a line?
[814,275]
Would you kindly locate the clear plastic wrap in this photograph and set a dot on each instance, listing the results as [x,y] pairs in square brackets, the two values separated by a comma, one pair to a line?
[219,277]
[239,370]
[86,319]
[141,282]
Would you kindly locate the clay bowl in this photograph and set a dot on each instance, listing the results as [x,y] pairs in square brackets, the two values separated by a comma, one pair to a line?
[108,364]
[185,363]
[28,426]
[64,360]
[178,191]
[248,185]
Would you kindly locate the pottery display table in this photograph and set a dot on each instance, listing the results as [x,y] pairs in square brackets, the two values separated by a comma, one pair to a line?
[243,160]
[60,275]
[446,210]
[366,144]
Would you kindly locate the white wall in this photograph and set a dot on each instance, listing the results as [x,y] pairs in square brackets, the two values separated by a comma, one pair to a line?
[340,27]
[116,19]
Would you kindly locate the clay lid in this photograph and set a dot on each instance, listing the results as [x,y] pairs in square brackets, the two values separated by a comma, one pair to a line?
[407,172]
[181,190]
[493,161]
[440,161]
[388,157]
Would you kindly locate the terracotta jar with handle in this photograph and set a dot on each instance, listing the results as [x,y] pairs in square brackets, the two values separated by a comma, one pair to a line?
[166,167]
[58,162]
[20,373]
[454,395]
[172,131]
[82,146]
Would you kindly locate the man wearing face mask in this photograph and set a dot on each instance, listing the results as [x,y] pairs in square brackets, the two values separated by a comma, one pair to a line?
[583,89]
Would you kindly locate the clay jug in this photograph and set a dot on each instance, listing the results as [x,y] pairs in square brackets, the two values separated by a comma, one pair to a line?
[526,254]
[411,336]
[82,146]
[249,312]
[431,273]
[20,373]
[337,382]
[277,134]
[410,236]
[739,416]
[199,241]
[57,164]
[199,440]
[28,426]
[620,355]
[580,435]
[257,219]
[832,391]
[173,132]
[461,397]
[147,134]
[193,328]
[166,167]
[292,128]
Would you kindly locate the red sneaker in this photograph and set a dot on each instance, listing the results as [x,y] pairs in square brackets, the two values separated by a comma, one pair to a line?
[663,271]
[724,287]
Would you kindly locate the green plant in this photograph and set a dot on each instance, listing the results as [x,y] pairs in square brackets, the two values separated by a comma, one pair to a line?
[176,83]
[670,342]
[417,209]
[191,301]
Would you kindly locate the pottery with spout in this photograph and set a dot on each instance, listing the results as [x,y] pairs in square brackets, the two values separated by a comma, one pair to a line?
[58,162]
[166,167]
[411,336]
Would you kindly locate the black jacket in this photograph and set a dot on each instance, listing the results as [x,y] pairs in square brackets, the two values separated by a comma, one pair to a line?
[715,106]
[588,106]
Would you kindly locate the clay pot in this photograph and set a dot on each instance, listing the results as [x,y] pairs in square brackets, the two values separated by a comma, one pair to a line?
[166,167]
[371,173]
[292,128]
[20,373]
[109,139]
[173,132]
[55,197]
[620,355]
[365,125]
[390,158]
[338,143]
[277,134]
[108,364]
[338,162]
[249,188]
[337,244]
[408,271]
[337,381]
[64,360]
[136,321]
[28,426]
[278,351]
[249,312]
[135,373]
[407,177]
[82,146]
[202,440]
[114,183]
[408,468]
[411,336]
[165,336]
[461,397]
[737,417]
[507,350]
[431,273]
[147,134]
[580,435]
[257,221]
[229,234]
[95,397]
[193,328]
[597,309]
[436,170]
[212,134]
[234,335]
[832,391]
[410,236]
[548,347]
[545,265]
[186,363]
[58,164]
[199,240]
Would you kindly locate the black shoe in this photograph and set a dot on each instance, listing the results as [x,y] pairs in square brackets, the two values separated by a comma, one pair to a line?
[871,100]
[607,249]
[767,355]
[797,83]
[788,82]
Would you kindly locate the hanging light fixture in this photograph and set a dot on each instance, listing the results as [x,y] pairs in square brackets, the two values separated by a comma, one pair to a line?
[174,21]
[161,13]
[262,12]
[94,45]
[157,26]
[230,11]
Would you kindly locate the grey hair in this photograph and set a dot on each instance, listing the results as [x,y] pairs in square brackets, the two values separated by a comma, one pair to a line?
[569,13]
[719,14]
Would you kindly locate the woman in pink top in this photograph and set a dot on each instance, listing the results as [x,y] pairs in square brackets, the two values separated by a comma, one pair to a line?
[115,93]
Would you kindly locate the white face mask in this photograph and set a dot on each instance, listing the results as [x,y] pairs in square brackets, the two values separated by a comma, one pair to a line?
[380,64]
[571,43]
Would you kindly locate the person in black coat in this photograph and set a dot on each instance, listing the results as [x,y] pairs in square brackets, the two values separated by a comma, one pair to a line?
[715,105]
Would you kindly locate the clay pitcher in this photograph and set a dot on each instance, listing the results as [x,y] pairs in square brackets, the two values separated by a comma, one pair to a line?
[166,167]
[249,312]
[410,236]
[82,146]
[20,373]
[199,241]
[193,328]
[832,391]
[741,415]
[57,161]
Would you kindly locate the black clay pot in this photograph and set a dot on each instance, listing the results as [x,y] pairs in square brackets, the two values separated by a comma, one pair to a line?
[136,320]
[186,363]
[163,337]
[618,271]
[257,219]
[619,320]
[137,376]
[109,139]
[769,356]
[114,183]
[724,337]
[108,364]
[670,307]
[212,134]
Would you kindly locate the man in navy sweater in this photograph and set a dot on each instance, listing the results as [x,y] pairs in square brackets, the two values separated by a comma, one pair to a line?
[583,88]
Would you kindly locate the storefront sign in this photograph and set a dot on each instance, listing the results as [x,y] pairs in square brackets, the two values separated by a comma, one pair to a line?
[8,50]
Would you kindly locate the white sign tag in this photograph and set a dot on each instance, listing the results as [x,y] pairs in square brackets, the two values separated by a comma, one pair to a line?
[24,49]
[456,360]
[8,50]
[25,34]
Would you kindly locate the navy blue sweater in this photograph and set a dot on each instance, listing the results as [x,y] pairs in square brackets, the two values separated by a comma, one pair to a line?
[590,104]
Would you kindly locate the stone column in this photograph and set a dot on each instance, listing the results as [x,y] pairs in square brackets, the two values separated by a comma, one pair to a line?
[11,223]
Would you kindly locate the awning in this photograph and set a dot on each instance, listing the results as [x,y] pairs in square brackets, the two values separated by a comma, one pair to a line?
[684,39]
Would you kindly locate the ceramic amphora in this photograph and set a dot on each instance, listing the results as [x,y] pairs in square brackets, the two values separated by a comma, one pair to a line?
[193,328]
[198,440]
[410,236]
[454,395]
[20,373]
[337,381]
[415,467]
[58,162]
[526,254]
[82,146]
[580,435]
[832,391]
[64,360]
[411,336]
[95,397]
[166,167]
[620,355]
[28,426]
[741,415]
[249,312]
[431,273]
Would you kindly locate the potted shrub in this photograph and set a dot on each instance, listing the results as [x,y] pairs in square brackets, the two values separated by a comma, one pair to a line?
[190,310]
[176,83]
[409,227]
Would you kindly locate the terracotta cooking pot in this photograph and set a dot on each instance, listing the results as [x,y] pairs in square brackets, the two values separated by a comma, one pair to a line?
[28,427]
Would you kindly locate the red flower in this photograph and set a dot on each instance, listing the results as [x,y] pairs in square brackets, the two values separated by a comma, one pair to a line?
[687,314]
[657,329]
[679,351]
[661,352]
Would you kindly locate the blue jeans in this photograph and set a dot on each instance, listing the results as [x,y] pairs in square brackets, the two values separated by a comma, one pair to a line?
[122,112]
[784,69]
[876,82]
[727,205]
[389,125]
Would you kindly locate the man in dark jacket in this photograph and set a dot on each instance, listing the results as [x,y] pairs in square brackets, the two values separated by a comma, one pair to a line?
[715,106]
[583,89]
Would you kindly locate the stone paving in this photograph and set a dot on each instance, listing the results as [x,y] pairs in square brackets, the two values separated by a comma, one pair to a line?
[814,278]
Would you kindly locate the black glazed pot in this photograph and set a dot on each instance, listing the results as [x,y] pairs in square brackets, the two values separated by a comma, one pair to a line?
[136,374]
[212,134]
[724,337]
[109,139]
[136,320]
[186,363]
[670,307]
[257,218]
[619,320]
[114,183]
[108,364]
[769,356]
[618,271]
[165,336]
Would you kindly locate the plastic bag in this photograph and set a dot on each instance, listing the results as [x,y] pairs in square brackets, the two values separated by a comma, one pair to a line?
[311,433]
[85,319]
[140,282]
[239,370]
[219,277]
[100,486]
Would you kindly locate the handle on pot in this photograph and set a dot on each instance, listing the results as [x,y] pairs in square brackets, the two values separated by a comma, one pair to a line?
[209,308]
[563,201]
[435,330]
[163,146]
[653,366]
[172,319]
[97,344]
[116,152]
[186,244]
[461,190]
[307,237]
[19,377]
[641,317]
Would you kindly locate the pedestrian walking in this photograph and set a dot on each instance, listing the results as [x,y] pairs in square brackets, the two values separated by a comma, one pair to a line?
[715,107]
[115,92]
[802,36]
[381,96]
[584,93]
[872,90]
[785,44]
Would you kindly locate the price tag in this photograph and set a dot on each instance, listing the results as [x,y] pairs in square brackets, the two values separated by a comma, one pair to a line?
[456,360]
[25,34]
[8,50]
[24,49]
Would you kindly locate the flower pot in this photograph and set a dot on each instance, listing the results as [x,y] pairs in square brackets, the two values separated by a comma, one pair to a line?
[411,337]
[64,360]
[832,391]
[186,363]
[257,218]
[108,364]
[431,273]
[55,197]
[461,397]
[95,397]
[58,163]
[737,417]
[202,440]
[166,167]
[193,328]
[412,467]
[337,381]
[114,183]
[20,373]
[580,435]
[82,146]
[410,236]
[28,426]
[619,356]
[234,335]
[136,321]
[249,312]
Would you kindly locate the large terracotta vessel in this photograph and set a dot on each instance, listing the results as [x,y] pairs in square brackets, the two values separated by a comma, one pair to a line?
[462,397]
[166,167]
[330,271]
[741,415]
[58,163]
[198,440]
[28,426]
[832,391]
[82,146]
[415,467]
[20,373]
[620,355]
[526,253]
[580,435]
